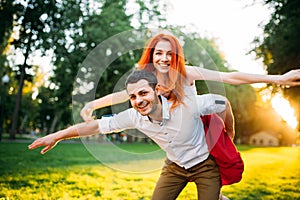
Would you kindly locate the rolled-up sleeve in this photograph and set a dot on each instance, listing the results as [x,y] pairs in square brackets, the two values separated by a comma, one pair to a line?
[117,123]
[211,103]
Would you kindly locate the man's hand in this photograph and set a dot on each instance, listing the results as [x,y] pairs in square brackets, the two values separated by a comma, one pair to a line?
[48,141]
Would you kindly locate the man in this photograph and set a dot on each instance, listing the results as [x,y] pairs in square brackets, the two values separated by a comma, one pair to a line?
[178,132]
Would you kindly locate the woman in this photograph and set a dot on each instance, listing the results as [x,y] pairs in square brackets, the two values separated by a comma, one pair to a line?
[163,55]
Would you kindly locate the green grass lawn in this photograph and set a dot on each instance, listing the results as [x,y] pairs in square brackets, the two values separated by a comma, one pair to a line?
[72,171]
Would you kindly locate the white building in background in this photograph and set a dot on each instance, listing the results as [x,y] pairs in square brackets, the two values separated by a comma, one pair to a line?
[263,138]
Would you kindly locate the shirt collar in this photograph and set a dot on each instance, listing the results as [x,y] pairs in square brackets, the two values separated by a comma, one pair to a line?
[165,111]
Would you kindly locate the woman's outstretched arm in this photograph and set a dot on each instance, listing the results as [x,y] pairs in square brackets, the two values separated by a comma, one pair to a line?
[291,78]
[108,100]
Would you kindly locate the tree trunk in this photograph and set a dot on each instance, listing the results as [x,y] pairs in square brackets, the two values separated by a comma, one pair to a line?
[54,122]
[15,118]
[23,124]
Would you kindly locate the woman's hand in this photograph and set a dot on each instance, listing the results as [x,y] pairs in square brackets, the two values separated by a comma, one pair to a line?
[291,78]
[87,111]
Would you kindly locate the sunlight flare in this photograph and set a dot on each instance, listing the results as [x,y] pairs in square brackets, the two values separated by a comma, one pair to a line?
[284,109]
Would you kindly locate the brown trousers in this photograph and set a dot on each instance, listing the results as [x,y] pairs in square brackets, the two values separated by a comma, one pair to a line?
[174,178]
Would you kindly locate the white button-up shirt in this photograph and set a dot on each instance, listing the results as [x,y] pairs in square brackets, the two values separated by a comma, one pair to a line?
[181,134]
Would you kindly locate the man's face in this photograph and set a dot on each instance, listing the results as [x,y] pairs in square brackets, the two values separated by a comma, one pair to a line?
[142,97]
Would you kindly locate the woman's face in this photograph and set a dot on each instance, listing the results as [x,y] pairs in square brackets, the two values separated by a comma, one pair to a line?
[162,55]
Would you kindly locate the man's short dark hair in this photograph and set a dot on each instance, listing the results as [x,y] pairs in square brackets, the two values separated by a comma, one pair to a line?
[138,75]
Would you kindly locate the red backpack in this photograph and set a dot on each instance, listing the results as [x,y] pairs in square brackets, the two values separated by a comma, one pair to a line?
[223,149]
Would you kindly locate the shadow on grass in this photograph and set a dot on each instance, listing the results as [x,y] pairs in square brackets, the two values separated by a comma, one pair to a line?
[15,157]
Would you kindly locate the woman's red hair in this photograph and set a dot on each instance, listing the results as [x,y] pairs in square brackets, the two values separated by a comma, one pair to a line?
[177,72]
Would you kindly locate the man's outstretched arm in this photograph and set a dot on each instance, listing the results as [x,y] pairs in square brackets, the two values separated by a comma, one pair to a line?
[78,130]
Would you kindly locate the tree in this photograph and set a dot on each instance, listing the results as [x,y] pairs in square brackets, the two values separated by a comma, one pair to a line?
[280,45]
[71,29]
[8,9]
[68,53]
[95,27]
[36,26]
[150,12]
[30,29]
[98,67]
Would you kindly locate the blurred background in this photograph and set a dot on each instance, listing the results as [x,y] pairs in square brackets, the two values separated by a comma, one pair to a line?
[43,44]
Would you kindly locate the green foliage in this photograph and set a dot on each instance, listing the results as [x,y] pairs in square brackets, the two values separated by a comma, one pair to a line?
[149,12]
[70,172]
[7,102]
[68,30]
[8,9]
[37,22]
[280,46]
[243,102]
[102,70]
[46,104]
[98,70]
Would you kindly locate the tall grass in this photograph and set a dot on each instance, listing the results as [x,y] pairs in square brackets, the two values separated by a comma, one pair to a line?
[69,171]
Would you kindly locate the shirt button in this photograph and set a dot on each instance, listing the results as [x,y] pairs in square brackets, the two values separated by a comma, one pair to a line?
[170,141]
[166,133]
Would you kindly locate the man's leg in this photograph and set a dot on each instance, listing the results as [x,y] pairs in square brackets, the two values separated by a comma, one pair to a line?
[170,183]
[206,175]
